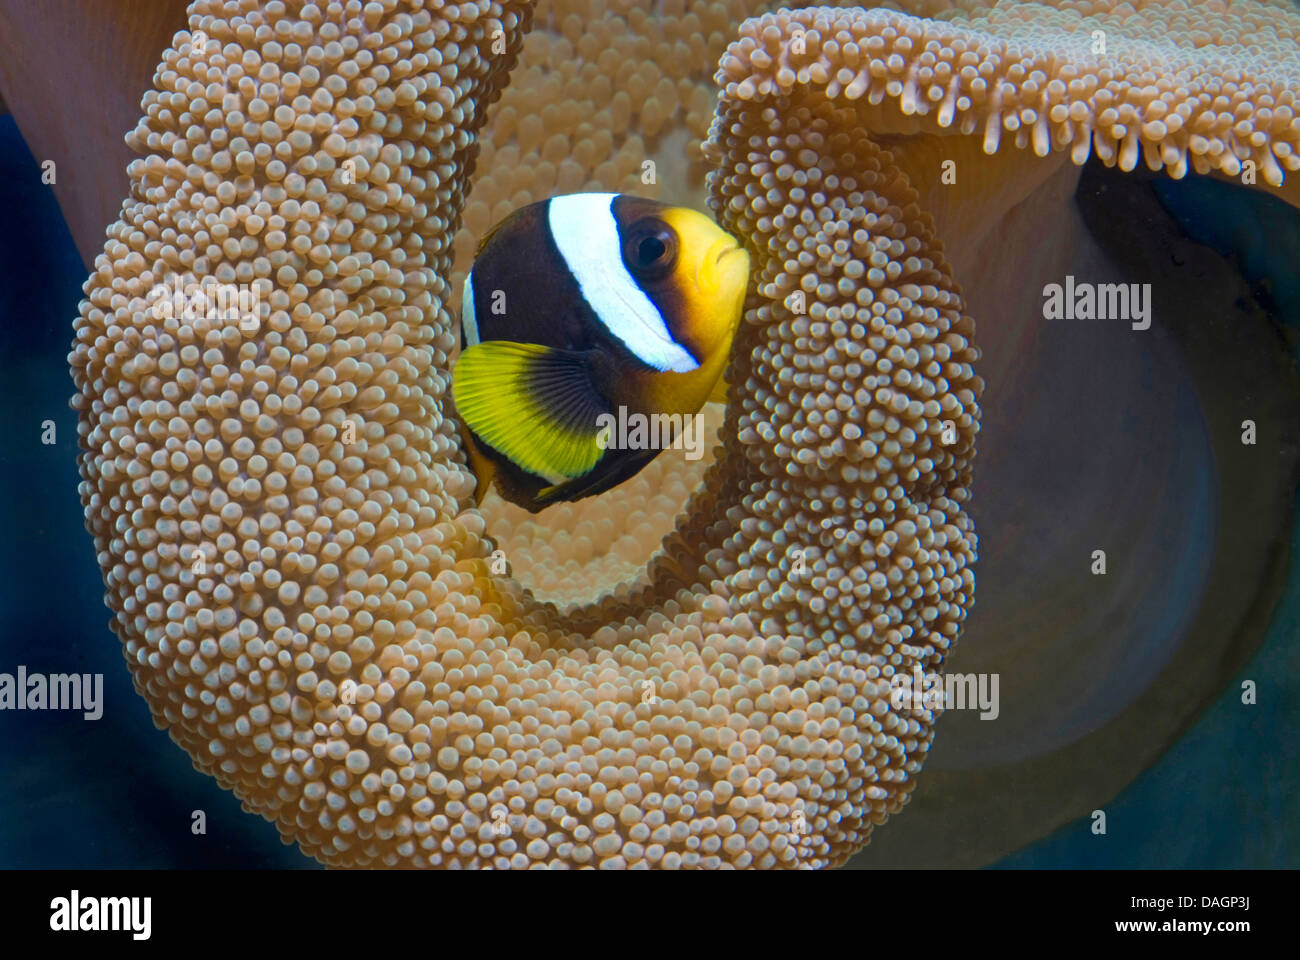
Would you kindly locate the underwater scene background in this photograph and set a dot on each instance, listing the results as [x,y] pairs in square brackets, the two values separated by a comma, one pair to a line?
[1121,693]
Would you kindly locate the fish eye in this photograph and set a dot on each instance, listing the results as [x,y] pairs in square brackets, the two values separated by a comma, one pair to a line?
[652,248]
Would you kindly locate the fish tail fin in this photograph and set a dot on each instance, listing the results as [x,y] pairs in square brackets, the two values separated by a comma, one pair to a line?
[485,473]
[484,470]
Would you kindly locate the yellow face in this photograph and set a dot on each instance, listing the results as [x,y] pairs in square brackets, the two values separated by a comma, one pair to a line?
[710,275]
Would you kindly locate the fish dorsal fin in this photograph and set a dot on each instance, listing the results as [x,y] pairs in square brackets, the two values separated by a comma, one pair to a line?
[496,228]
[535,405]
[486,239]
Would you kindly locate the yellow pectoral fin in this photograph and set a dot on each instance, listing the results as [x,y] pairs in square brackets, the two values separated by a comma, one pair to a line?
[719,393]
[533,404]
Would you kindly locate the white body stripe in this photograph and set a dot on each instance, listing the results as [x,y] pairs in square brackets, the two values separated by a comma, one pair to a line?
[468,323]
[586,233]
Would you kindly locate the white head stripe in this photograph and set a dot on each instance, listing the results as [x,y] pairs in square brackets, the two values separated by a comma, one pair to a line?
[586,233]
[468,322]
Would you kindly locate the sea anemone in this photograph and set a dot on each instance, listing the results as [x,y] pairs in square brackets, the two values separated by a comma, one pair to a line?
[1092,436]
[308,599]
[304,594]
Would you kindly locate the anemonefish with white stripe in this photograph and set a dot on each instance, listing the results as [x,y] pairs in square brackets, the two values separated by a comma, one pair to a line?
[586,305]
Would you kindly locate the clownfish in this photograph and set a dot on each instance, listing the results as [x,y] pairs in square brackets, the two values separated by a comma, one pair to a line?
[578,310]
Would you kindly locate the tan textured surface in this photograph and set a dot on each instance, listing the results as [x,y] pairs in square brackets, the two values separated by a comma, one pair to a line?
[328,561]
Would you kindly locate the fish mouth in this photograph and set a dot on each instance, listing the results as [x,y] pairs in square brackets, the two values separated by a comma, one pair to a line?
[711,269]
[732,247]
[723,264]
